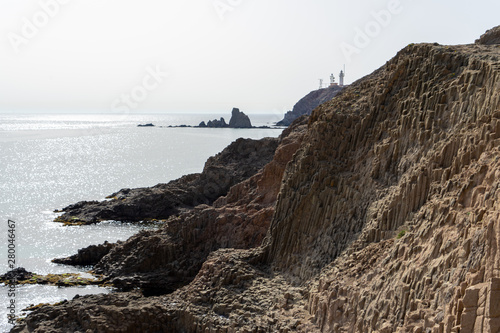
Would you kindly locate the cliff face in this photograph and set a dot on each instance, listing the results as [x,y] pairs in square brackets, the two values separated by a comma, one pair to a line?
[309,103]
[392,199]
[387,218]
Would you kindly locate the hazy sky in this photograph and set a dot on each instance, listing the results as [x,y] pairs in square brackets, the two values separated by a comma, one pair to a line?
[258,55]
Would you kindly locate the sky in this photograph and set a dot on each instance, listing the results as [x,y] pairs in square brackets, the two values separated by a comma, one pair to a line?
[208,56]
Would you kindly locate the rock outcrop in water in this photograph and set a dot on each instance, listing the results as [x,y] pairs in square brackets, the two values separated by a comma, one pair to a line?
[239,161]
[216,123]
[387,219]
[16,274]
[239,119]
[88,256]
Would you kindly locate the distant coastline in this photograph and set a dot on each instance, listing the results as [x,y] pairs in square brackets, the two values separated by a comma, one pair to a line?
[238,120]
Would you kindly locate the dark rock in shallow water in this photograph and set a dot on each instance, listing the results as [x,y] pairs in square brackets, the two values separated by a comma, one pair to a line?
[146,125]
[202,124]
[16,274]
[87,256]
[239,119]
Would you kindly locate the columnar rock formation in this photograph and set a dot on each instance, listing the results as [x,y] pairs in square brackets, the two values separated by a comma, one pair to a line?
[387,219]
[398,213]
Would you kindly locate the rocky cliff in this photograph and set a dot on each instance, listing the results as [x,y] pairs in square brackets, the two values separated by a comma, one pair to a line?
[387,218]
[308,103]
[397,214]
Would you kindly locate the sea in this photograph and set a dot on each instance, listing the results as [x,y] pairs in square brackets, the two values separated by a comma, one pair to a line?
[49,161]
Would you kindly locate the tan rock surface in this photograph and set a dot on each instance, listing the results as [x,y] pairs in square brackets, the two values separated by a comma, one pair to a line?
[420,154]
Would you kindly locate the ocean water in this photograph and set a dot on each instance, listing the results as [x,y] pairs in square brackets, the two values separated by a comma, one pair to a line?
[50,161]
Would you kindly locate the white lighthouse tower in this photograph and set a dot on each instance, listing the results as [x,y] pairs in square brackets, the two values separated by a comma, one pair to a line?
[341,78]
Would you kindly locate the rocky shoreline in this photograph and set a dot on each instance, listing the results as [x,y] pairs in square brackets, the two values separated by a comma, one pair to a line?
[239,161]
[378,213]
[159,261]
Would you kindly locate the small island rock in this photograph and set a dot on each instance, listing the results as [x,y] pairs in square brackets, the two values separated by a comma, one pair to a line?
[217,123]
[239,119]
